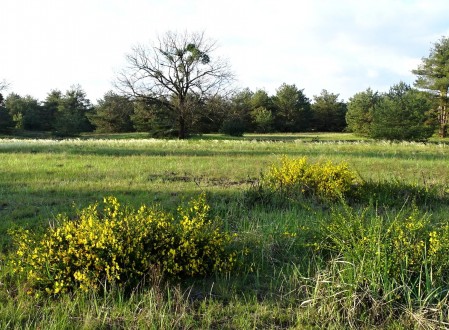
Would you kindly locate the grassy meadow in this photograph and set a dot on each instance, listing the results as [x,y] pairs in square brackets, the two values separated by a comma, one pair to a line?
[297,269]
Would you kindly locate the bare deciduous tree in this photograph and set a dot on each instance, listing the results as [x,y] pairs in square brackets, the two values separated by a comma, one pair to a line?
[3,85]
[177,72]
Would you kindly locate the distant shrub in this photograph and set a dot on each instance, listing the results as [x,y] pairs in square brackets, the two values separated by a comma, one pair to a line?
[297,176]
[6,121]
[122,245]
[233,127]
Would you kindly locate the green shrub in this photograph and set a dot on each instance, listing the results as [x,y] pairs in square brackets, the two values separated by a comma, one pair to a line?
[122,245]
[297,176]
[233,127]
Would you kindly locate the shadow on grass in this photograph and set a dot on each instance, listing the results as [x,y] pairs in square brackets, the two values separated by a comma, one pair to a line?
[397,194]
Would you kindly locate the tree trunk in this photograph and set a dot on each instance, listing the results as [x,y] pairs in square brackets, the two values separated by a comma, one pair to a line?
[182,133]
[442,115]
[442,131]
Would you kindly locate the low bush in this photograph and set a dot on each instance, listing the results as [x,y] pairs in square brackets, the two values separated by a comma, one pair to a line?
[121,245]
[323,180]
[233,127]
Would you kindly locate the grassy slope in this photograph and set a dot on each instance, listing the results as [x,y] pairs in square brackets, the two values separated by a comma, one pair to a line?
[42,178]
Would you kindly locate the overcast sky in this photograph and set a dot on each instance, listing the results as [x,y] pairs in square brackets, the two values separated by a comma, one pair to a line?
[344,46]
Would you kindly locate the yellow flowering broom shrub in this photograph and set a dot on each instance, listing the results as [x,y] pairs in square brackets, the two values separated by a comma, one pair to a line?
[324,180]
[121,245]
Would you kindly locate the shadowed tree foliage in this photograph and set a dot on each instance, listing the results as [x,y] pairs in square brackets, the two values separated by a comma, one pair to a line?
[328,113]
[360,111]
[27,113]
[238,118]
[260,98]
[213,113]
[71,117]
[6,122]
[433,75]
[113,114]
[176,73]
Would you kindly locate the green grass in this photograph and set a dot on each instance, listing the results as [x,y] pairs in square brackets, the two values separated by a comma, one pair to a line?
[281,282]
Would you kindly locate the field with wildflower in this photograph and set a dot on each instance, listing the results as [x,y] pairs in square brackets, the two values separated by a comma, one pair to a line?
[279,231]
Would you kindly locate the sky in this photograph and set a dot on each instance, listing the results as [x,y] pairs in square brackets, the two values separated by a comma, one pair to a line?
[343,46]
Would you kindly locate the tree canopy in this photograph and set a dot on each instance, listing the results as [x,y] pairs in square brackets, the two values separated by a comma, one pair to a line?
[293,111]
[178,73]
[113,114]
[328,112]
[360,111]
[433,75]
[402,114]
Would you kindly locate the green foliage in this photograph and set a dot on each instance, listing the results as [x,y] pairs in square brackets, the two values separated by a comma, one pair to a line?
[240,106]
[433,75]
[297,176]
[328,112]
[263,119]
[293,113]
[157,119]
[402,114]
[27,113]
[233,127]
[307,266]
[210,115]
[121,245]
[71,116]
[113,114]
[379,269]
[393,193]
[360,112]
[6,122]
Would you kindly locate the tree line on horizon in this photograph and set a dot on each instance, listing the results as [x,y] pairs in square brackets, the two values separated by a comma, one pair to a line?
[71,113]
[176,88]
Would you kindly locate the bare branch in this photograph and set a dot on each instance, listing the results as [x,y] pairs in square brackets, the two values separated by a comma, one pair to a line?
[179,69]
[4,85]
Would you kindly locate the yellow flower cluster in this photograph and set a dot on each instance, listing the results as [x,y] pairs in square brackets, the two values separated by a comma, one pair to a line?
[414,241]
[119,244]
[322,179]
[438,249]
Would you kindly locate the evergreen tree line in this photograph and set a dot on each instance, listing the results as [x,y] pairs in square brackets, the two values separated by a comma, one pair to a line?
[62,114]
[402,113]
[71,113]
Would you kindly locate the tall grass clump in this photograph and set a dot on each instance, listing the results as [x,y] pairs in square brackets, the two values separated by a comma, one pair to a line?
[381,268]
[120,245]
